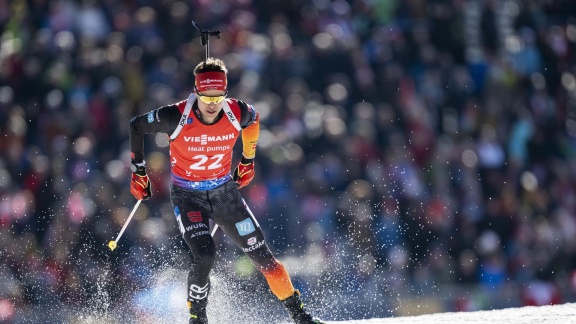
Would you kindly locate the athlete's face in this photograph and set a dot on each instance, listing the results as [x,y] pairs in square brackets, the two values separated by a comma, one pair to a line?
[210,104]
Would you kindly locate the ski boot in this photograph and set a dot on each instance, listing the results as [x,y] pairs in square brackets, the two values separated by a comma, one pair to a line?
[295,308]
[198,311]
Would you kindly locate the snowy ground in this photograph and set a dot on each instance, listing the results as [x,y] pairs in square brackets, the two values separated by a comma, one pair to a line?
[557,314]
[162,303]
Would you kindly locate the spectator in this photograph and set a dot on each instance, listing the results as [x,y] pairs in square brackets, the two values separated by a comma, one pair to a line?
[379,132]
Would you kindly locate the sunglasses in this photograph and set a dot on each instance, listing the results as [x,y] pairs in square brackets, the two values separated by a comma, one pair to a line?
[212,99]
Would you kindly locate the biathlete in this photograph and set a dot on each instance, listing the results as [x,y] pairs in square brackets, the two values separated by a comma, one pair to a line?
[203,130]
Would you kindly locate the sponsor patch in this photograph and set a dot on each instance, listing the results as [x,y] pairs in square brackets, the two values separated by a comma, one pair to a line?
[245,227]
[183,120]
[231,116]
[253,247]
[195,216]
[197,292]
[200,233]
[195,227]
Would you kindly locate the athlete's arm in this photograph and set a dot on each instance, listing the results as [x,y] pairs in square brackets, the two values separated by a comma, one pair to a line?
[250,137]
[250,123]
[161,120]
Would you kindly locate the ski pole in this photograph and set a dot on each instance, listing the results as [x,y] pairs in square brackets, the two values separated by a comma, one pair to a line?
[112,244]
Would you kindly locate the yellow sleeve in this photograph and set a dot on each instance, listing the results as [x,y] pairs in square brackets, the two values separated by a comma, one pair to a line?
[250,137]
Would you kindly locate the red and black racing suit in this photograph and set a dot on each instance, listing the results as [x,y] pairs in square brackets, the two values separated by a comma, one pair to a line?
[202,188]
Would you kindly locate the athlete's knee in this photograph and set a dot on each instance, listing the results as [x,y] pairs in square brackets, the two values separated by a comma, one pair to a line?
[266,262]
[203,254]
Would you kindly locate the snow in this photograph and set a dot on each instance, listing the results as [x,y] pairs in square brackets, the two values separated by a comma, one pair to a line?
[162,303]
[557,314]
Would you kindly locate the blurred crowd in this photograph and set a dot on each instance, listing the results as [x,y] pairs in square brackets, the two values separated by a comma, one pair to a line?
[419,143]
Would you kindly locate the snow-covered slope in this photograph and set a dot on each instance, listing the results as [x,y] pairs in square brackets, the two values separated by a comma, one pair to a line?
[557,314]
[163,303]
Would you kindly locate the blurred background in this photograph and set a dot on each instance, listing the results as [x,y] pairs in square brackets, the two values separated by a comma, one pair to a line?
[415,156]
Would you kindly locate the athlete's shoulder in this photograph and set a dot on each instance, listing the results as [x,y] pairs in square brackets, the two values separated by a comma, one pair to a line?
[241,105]
[181,105]
[245,113]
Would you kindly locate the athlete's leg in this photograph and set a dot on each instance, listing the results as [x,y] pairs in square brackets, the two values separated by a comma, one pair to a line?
[192,214]
[237,221]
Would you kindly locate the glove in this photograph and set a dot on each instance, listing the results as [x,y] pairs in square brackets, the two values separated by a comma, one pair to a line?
[244,172]
[140,184]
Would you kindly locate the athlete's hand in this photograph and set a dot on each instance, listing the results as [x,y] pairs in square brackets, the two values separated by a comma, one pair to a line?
[244,172]
[140,184]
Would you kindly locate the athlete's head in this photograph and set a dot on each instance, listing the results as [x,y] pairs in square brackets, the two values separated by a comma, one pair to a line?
[211,87]
[210,75]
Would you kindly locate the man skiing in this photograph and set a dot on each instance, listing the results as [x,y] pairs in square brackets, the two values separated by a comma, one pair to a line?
[203,130]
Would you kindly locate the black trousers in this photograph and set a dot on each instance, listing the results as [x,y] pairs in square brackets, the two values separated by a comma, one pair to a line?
[225,206]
